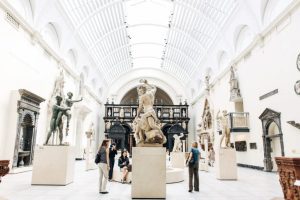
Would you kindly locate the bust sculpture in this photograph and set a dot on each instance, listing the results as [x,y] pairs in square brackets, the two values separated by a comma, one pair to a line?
[147,129]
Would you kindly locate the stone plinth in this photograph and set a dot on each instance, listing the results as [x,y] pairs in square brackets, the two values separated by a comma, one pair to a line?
[53,165]
[226,164]
[148,172]
[178,159]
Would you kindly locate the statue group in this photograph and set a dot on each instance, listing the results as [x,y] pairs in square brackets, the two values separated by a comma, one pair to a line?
[146,125]
[58,111]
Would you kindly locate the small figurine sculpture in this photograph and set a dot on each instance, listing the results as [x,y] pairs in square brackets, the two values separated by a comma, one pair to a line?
[225,130]
[177,142]
[109,112]
[147,129]
[121,113]
[171,113]
[183,113]
[158,113]
[56,120]
[134,113]
[107,125]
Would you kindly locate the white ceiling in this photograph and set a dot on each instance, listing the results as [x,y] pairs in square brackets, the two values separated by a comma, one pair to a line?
[171,36]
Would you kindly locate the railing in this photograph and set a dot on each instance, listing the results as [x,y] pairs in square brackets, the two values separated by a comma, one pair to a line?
[239,121]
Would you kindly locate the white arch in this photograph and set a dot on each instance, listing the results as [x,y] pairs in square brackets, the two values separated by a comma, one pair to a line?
[272,8]
[131,79]
[242,37]
[51,35]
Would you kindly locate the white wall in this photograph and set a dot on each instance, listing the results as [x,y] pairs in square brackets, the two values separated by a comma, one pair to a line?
[25,65]
[270,65]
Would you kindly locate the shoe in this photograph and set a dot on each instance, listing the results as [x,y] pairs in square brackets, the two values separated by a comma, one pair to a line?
[104,192]
[197,190]
[190,190]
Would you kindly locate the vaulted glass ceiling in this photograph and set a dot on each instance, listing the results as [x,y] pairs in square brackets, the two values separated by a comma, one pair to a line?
[169,35]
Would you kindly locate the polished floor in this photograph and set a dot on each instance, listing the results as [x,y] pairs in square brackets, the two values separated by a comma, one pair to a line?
[252,185]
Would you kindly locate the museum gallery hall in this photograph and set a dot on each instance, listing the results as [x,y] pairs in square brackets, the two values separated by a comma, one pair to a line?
[150,99]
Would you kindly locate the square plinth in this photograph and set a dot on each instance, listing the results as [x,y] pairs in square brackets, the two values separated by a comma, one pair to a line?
[148,172]
[53,165]
[226,164]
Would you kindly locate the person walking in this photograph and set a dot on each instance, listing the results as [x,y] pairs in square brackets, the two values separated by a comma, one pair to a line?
[112,153]
[193,164]
[103,154]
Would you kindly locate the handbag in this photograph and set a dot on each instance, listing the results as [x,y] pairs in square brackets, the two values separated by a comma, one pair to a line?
[97,159]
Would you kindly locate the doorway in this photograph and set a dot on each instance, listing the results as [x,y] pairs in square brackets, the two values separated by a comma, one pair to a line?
[272,138]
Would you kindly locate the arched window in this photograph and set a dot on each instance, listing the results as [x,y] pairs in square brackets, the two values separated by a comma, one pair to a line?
[24,8]
[272,8]
[243,38]
[51,36]
[72,58]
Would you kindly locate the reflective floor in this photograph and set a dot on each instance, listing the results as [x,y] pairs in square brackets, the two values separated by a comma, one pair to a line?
[252,185]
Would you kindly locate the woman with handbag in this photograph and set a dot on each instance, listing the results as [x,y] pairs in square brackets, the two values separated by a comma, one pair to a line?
[103,159]
[193,164]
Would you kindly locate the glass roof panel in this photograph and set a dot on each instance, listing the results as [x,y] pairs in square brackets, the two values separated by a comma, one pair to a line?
[172,35]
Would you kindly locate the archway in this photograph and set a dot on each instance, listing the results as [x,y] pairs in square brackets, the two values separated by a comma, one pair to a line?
[161,97]
[272,138]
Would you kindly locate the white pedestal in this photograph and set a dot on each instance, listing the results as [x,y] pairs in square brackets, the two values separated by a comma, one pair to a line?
[148,172]
[178,160]
[53,165]
[226,164]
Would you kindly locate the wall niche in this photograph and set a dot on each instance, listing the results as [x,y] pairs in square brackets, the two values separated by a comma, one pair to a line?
[28,114]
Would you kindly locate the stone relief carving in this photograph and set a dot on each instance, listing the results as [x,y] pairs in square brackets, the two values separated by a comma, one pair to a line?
[206,125]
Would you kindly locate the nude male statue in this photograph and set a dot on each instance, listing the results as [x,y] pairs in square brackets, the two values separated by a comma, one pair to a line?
[69,103]
[56,121]
[225,129]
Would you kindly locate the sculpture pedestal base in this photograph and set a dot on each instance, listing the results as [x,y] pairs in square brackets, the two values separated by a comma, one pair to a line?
[148,172]
[53,165]
[178,160]
[226,164]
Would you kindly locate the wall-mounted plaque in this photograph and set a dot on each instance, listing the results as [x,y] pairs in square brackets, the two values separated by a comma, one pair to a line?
[241,146]
[297,87]
[298,62]
[253,145]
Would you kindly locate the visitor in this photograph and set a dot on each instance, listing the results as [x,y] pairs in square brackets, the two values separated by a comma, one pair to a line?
[193,164]
[123,163]
[211,157]
[112,153]
[103,154]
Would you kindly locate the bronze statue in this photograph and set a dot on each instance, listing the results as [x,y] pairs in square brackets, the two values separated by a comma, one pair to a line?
[56,120]
[69,103]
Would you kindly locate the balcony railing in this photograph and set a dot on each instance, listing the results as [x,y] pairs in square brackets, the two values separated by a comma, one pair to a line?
[239,121]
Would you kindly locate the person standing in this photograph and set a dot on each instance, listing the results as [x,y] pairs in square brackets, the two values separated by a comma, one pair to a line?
[123,163]
[112,153]
[103,153]
[193,162]
[211,157]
